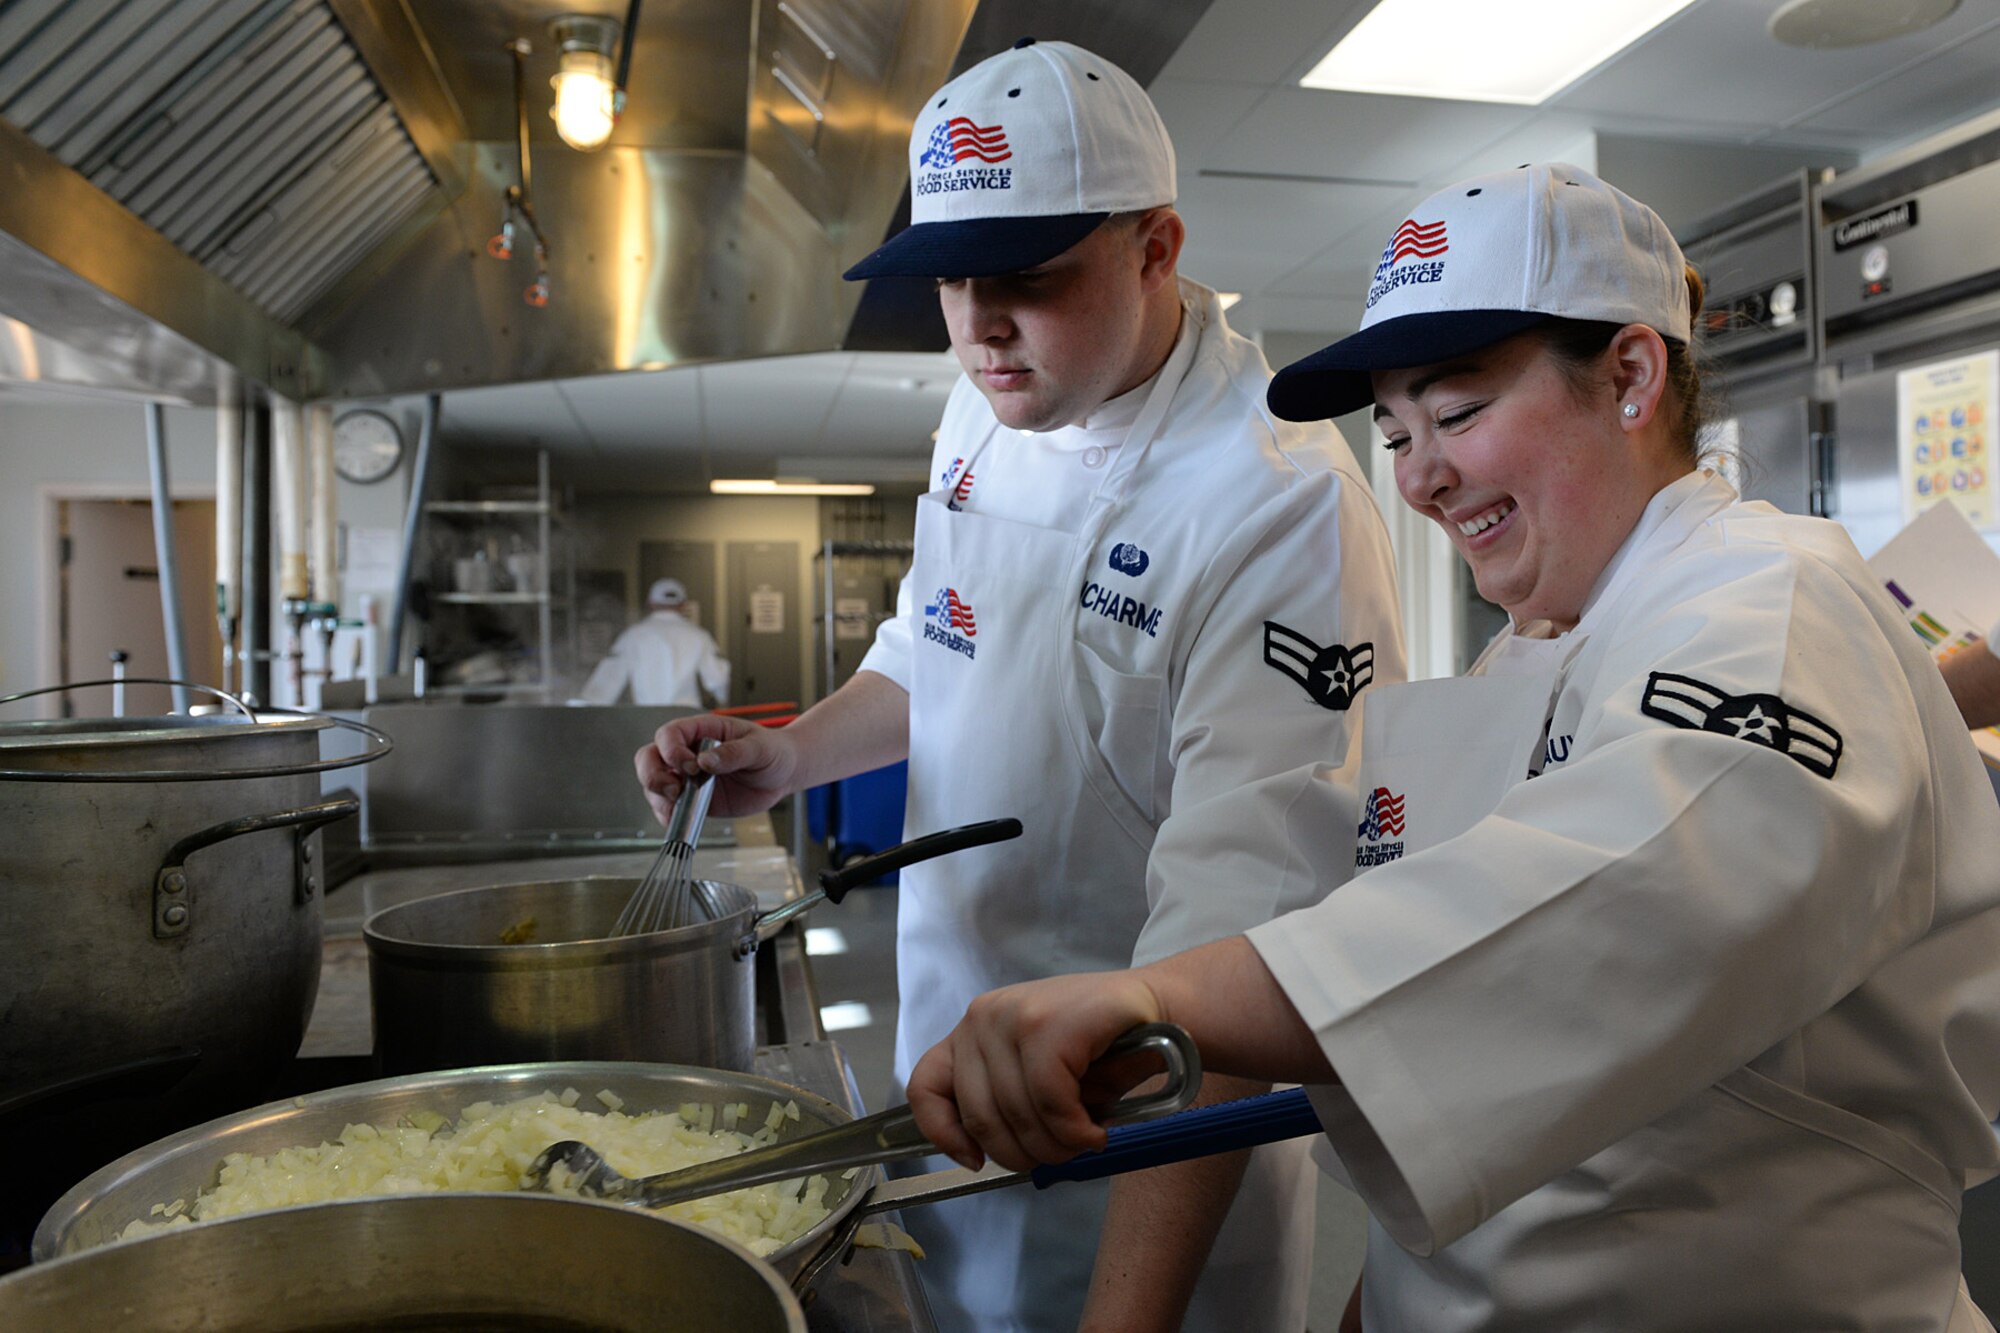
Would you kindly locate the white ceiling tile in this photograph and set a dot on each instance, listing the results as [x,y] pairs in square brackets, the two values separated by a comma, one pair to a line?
[516,414]
[1262,41]
[1360,136]
[1552,136]
[655,409]
[1956,85]
[1716,63]
[1245,234]
[771,406]
[1198,113]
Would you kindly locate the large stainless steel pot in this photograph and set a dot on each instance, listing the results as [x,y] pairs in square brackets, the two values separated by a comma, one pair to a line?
[104,1203]
[159,896]
[447,993]
[486,1261]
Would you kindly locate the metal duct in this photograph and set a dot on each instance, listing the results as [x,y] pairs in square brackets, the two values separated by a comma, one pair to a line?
[246,132]
[297,194]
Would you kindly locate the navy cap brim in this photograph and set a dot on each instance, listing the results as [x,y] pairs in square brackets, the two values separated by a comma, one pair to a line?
[975,247]
[1334,380]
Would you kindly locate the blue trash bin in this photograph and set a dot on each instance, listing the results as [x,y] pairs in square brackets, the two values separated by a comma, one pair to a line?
[860,815]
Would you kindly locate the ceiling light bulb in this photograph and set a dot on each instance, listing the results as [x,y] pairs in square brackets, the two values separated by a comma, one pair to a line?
[583,99]
[586,108]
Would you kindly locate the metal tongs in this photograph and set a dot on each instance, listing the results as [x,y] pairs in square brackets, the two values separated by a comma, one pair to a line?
[887,1136]
[1169,1133]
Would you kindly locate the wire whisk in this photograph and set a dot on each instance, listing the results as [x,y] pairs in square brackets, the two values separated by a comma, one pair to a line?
[665,898]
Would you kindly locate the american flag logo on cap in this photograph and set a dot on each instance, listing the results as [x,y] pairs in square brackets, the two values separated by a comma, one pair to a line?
[956,139]
[1416,240]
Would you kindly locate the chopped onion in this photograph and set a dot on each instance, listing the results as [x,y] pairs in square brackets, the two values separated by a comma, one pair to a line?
[489,1148]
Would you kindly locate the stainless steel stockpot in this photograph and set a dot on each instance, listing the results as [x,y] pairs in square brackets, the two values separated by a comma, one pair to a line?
[99,1207]
[447,993]
[160,898]
[445,1261]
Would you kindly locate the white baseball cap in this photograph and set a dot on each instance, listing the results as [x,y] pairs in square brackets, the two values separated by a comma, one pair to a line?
[1490,257]
[1019,158]
[667,592]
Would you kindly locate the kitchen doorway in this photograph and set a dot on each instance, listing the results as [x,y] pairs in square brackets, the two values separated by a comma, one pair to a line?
[107,599]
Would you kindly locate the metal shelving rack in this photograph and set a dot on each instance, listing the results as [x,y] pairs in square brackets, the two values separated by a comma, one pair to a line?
[824,561]
[542,510]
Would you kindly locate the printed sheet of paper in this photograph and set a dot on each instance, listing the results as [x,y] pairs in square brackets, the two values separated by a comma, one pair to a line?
[1947,581]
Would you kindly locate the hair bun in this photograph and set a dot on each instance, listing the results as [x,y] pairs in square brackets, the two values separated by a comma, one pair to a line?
[1697,290]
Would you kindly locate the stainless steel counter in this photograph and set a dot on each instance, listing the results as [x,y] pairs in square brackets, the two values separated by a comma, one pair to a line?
[876,1291]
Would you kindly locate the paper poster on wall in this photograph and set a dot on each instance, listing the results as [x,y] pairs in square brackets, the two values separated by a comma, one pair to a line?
[767,611]
[852,618]
[1944,436]
[374,557]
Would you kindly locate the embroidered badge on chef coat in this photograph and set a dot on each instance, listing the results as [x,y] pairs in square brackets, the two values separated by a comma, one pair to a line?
[1333,675]
[1761,719]
[949,622]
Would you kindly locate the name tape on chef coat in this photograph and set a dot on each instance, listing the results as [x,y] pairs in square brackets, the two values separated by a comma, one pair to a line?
[1761,719]
[1332,675]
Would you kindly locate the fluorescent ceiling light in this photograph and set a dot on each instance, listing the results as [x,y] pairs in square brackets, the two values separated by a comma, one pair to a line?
[1228,299]
[749,486]
[1523,51]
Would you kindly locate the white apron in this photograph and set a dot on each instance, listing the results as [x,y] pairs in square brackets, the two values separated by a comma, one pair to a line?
[997,729]
[1437,757]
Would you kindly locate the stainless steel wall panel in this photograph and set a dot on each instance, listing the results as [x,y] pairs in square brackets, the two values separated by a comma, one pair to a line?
[528,772]
[657,258]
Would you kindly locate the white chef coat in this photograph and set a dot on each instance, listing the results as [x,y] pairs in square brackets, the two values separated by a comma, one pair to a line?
[662,657]
[1142,637]
[1686,1031]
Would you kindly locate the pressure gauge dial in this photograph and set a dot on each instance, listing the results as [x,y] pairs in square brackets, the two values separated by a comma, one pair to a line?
[367,446]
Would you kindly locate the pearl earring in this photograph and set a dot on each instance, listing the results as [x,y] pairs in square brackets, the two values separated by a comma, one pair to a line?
[1631,411]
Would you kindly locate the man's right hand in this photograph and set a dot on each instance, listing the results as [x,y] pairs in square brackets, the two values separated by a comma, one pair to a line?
[753,767]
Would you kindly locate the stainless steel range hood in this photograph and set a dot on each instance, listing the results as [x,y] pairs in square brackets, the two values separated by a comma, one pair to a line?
[298,193]
[302,190]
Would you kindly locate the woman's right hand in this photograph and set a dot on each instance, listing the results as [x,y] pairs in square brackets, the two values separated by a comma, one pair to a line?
[753,766]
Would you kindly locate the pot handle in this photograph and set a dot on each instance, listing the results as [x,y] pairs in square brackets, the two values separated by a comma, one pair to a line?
[381,743]
[834,884]
[173,905]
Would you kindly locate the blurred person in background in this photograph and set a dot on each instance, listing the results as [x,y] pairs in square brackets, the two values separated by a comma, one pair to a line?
[665,658]
[1973,675]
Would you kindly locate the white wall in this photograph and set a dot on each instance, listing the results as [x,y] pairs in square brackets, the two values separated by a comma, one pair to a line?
[83,448]
[51,446]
